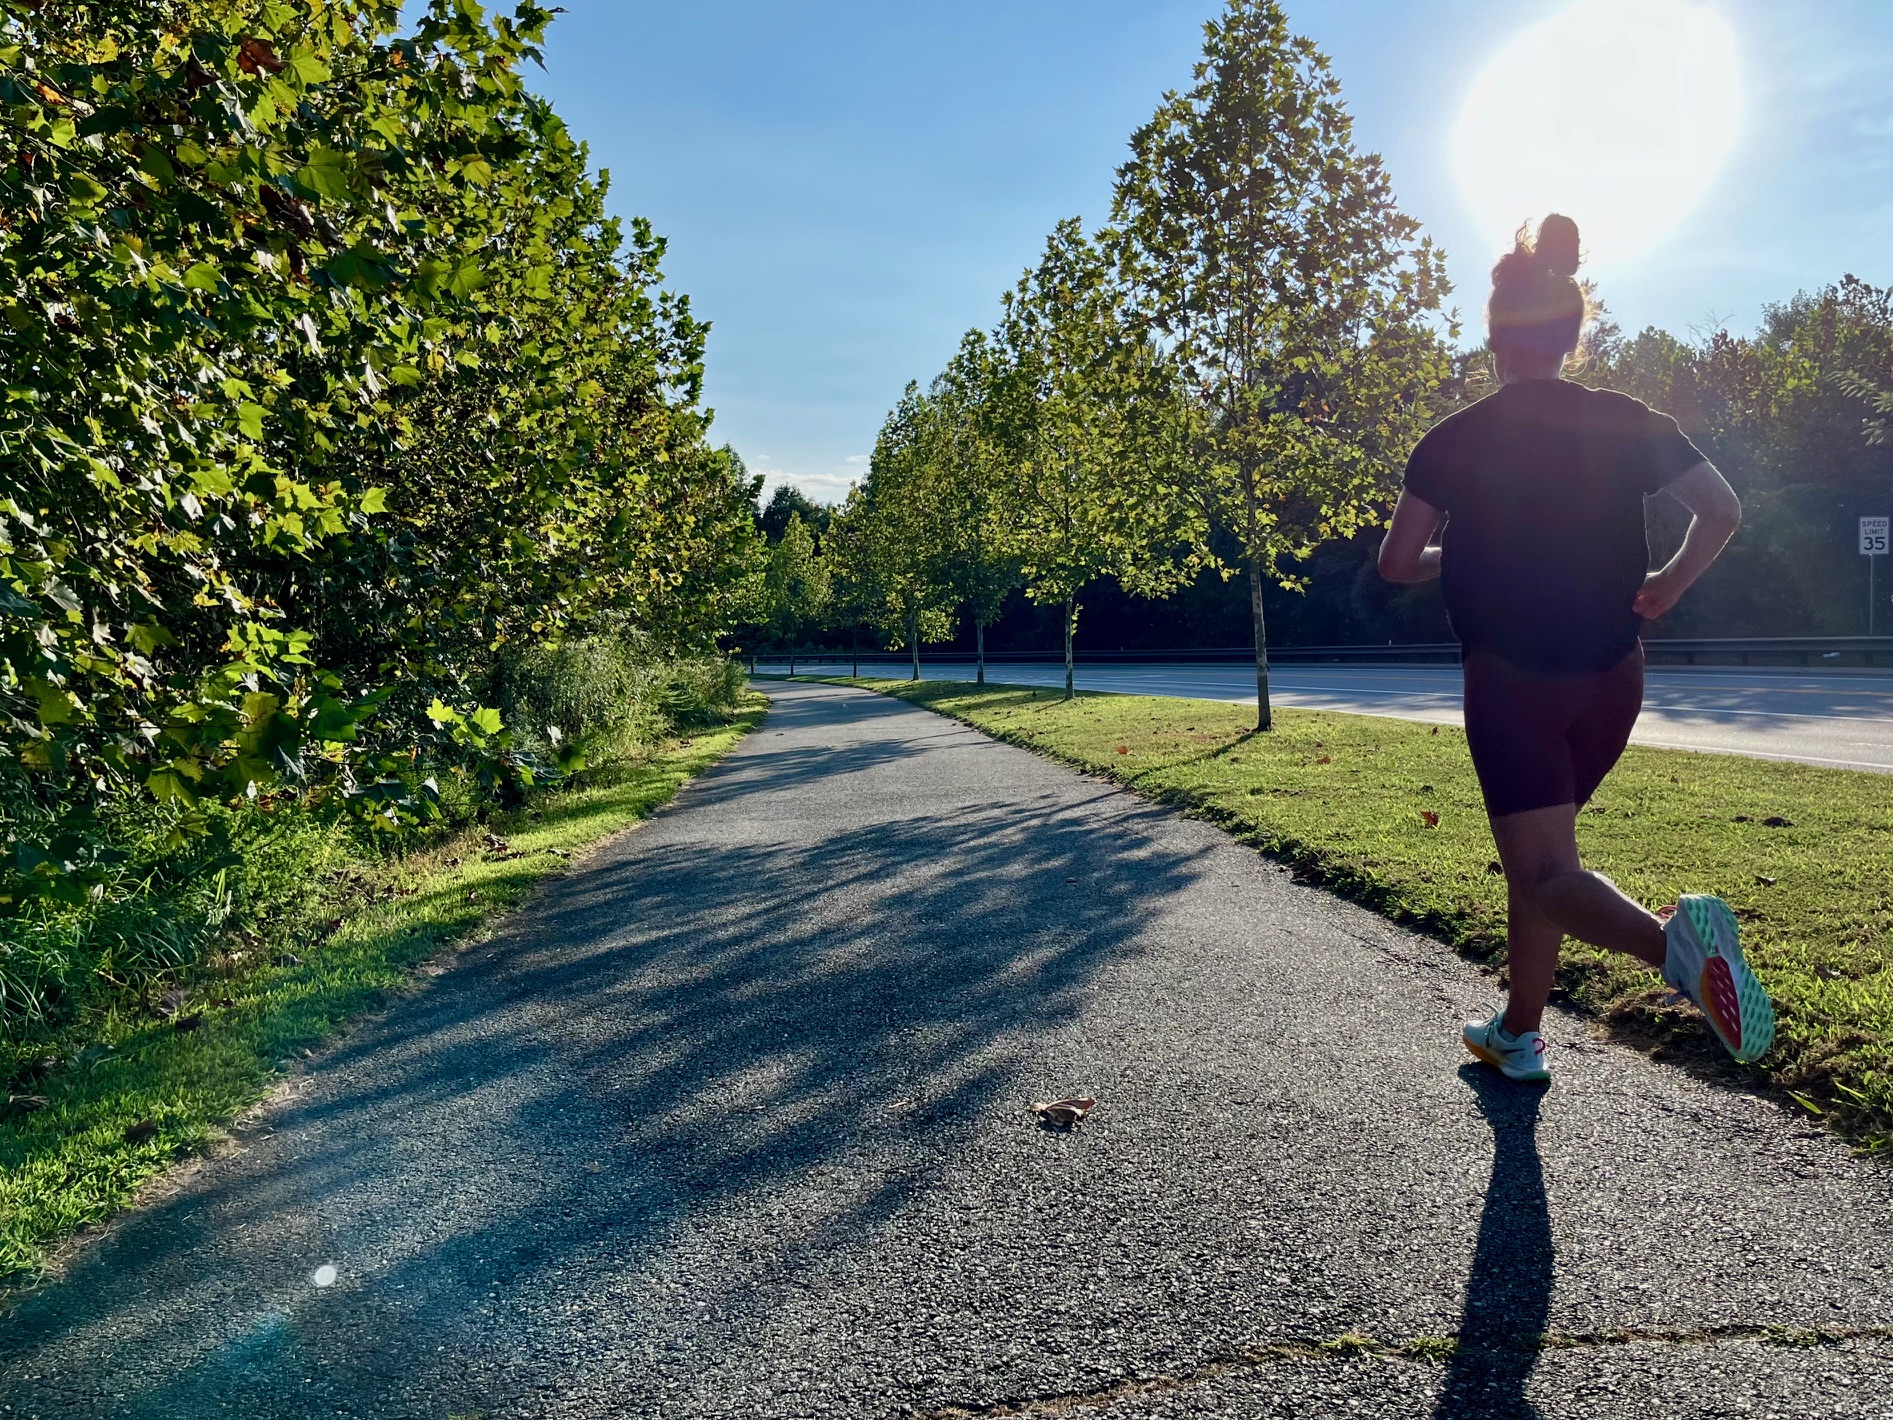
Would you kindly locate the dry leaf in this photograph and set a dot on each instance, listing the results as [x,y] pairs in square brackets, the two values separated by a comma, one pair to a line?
[1325,759]
[1123,749]
[1430,818]
[1064,1113]
[258,54]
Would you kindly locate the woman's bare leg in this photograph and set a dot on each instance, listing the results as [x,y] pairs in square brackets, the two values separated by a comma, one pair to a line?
[1551,895]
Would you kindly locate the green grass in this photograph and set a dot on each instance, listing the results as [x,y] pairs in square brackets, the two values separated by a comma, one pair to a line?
[1343,798]
[127,1093]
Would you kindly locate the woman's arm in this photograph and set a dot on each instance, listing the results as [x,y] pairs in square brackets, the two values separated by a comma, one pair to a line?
[1718,513]
[1404,553]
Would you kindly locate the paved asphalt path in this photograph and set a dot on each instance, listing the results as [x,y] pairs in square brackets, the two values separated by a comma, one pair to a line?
[1839,718]
[733,1123]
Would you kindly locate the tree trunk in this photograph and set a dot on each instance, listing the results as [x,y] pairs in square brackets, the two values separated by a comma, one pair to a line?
[913,641]
[979,634]
[1264,719]
[1071,618]
[855,670]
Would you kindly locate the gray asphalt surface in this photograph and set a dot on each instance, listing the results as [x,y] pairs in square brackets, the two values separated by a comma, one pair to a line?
[1842,718]
[733,1123]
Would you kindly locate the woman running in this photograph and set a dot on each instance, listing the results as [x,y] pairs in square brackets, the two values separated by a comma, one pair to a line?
[1545,566]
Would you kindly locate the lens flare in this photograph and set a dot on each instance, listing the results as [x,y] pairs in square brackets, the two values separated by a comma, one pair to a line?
[1619,113]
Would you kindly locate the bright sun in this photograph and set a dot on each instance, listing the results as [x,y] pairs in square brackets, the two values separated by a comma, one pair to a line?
[1618,113]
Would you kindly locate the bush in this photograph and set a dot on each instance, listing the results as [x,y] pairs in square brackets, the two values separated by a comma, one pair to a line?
[610,697]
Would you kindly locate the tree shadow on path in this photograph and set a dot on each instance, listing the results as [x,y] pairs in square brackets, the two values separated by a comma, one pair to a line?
[712,1021]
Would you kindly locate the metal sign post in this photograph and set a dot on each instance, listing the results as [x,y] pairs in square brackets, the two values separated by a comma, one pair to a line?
[1875,535]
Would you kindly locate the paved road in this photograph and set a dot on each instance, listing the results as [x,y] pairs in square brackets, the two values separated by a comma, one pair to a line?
[733,1124]
[1838,718]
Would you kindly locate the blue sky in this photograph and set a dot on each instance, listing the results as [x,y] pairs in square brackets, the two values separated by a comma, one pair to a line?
[846,187]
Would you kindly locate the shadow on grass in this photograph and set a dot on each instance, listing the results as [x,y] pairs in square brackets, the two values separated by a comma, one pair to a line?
[715,1013]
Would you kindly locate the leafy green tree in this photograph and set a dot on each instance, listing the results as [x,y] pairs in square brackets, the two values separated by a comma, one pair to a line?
[787,502]
[1090,421]
[887,535]
[328,382]
[796,584]
[1298,299]
[968,498]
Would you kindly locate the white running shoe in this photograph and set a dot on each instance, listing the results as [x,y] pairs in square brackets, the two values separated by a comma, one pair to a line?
[1517,1057]
[1704,962]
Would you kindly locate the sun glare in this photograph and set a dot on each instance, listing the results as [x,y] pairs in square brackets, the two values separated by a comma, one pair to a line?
[1618,113]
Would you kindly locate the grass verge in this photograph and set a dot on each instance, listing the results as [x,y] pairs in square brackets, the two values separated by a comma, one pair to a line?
[126,1094]
[1387,812]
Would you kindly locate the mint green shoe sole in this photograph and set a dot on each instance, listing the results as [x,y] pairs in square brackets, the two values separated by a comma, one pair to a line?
[1733,999]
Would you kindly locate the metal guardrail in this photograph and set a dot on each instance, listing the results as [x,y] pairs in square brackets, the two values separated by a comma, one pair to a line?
[1824,651]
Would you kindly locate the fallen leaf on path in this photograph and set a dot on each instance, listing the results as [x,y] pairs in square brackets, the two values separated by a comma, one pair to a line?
[1065,1113]
[143,1132]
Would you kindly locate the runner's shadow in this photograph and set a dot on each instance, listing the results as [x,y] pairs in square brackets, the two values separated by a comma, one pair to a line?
[1508,1295]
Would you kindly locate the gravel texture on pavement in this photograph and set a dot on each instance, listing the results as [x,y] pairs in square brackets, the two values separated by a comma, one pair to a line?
[734,1122]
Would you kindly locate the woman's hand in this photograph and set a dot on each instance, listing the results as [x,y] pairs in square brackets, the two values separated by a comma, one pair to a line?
[1659,595]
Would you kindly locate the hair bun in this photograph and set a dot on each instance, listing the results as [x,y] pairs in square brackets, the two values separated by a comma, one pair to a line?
[1557,244]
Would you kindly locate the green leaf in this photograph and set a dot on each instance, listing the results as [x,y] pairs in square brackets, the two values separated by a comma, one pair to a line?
[374,500]
[486,720]
[154,163]
[202,277]
[443,714]
[326,174]
[84,189]
[250,420]
[148,637]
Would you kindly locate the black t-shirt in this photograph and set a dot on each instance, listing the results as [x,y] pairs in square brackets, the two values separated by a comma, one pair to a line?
[1542,483]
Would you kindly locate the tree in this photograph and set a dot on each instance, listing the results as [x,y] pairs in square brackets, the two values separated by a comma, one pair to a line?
[1270,255]
[968,500]
[796,584]
[887,536]
[1088,416]
[787,502]
[330,384]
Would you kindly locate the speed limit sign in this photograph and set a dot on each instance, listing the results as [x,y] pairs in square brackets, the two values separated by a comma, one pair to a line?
[1874,536]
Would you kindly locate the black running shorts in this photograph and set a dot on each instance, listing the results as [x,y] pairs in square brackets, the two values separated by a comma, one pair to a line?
[1543,738]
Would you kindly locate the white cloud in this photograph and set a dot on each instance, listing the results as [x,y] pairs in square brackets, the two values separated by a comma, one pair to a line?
[822,487]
